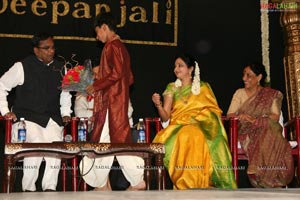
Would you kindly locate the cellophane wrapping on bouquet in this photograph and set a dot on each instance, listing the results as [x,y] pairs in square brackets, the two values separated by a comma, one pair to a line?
[78,78]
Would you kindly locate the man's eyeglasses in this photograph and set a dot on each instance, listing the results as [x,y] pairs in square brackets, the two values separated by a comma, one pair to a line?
[47,48]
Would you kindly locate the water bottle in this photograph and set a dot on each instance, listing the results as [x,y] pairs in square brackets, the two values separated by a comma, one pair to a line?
[21,130]
[82,130]
[141,131]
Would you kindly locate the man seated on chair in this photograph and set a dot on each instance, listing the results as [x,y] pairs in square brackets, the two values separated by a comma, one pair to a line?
[110,113]
[37,80]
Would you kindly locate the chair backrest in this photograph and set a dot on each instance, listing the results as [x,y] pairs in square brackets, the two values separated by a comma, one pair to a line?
[231,126]
[8,133]
[292,134]
[149,123]
[8,129]
[291,131]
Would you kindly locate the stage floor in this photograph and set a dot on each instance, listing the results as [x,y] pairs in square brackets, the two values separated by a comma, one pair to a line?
[161,195]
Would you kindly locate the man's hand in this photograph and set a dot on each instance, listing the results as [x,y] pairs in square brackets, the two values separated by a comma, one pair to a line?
[11,115]
[66,119]
[90,89]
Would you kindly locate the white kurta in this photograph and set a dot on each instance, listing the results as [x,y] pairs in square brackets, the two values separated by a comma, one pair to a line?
[35,133]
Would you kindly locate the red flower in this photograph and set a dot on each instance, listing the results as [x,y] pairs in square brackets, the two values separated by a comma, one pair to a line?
[78,78]
[72,75]
[79,67]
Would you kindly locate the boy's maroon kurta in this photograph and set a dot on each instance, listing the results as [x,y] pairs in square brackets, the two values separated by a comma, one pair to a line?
[112,92]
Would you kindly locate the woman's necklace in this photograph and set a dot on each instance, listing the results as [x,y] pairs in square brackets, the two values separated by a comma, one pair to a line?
[184,93]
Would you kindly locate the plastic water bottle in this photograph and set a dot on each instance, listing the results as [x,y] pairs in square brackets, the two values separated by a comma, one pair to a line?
[141,131]
[82,130]
[22,130]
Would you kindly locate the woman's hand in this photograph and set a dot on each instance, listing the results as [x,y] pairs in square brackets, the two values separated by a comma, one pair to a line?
[164,110]
[156,100]
[245,117]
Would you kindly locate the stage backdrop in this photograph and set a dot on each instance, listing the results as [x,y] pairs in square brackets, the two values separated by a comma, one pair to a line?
[222,35]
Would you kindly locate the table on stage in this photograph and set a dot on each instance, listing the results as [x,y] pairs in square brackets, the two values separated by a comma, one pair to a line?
[70,150]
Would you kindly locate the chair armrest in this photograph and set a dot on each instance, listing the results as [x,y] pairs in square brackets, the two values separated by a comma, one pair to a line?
[292,131]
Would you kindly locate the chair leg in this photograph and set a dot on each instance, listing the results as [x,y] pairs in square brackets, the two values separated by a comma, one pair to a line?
[64,176]
[9,174]
[83,185]
[74,174]
[147,176]
[297,174]
[5,180]
[160,172]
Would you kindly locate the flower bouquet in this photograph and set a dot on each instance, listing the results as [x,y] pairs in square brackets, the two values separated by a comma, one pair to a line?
[78,78]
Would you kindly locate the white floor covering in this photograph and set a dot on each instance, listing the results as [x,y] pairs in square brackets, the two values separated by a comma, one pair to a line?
[283,194]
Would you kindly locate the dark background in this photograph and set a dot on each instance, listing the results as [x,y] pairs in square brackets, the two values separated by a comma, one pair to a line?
[222,35]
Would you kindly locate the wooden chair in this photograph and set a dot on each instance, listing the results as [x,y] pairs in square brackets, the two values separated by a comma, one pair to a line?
[15,152]
[149,124]
[292,133]
[74,162]
[231,126]
[292,126]
[8,130]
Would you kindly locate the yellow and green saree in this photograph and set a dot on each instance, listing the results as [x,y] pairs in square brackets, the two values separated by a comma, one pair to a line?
[197,153]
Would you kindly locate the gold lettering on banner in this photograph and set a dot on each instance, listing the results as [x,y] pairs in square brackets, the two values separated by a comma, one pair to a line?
[4,6]
[58,6]
[155,12]
[152,12]
[37,6]
[17,3]
[123,14]
[169,12]
[85,9]
[99,7]
[141,15]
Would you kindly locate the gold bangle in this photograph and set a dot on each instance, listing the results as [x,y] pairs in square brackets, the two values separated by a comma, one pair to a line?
[158,105]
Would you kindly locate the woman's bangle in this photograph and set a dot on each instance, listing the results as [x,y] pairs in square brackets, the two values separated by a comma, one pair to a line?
[158,105]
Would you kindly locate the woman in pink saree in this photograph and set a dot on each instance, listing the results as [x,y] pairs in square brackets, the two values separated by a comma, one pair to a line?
[258,108]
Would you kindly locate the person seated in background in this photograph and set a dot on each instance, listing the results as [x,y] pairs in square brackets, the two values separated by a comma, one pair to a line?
[84,108]
[84,104]
[197,152]
[258,108]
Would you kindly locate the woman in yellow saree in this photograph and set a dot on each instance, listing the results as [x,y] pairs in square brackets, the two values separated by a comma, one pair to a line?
[197,153]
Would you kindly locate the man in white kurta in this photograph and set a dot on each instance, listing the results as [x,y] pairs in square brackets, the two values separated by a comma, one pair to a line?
[36,80]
